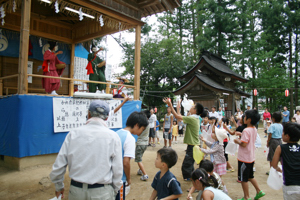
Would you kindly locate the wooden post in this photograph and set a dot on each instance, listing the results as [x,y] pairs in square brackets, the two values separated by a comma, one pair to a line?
[71,83]
[137,62]
[1,88]
[107,91]
[23,51]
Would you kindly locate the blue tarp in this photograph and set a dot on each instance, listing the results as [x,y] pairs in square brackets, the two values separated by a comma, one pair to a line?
[26,123]
[80,51]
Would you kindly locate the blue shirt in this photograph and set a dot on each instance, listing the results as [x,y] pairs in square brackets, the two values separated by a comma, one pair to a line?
[166,185]
[157,124]
[286,119]
[276,129]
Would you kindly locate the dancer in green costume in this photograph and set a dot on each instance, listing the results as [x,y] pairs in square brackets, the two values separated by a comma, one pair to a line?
[96,70]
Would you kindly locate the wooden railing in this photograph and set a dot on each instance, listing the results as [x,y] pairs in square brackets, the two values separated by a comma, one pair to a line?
[61,78]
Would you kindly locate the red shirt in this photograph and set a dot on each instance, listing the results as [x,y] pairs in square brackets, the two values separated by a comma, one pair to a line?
[267,115]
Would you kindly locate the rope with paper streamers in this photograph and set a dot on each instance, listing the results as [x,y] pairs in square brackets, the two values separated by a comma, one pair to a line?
[100,17]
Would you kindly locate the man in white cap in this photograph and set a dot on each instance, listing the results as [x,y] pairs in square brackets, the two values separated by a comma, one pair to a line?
[94,155]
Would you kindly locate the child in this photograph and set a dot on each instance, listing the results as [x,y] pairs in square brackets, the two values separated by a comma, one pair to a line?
[191,137]
[289,155]
[180,128]
[274,135]
[157,131]
[152,124]
[228,127]
[135,124]
[209,168]
[294,120]
[141,146]
[205,124]
[216,150]
[201,181]
[246,154]
[267,127]
[174,131]
[167,126]
[165,184]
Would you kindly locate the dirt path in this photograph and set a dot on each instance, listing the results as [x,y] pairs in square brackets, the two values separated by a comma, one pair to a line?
[23,185]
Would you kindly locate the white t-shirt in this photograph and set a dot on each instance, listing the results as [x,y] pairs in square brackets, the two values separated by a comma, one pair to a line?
[215,114]
[129,145]
[152,120]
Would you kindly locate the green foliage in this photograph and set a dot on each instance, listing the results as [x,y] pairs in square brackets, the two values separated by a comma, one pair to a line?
[161,63]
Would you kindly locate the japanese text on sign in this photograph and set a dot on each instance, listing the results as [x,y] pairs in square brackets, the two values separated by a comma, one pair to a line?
[70,113]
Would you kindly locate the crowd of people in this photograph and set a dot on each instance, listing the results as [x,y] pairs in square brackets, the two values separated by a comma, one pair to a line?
[99,158]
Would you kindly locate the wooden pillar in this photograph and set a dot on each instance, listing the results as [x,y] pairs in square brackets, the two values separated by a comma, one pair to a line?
[137,62]
[72,64]
[1,88]
[233,102]
[107,91]
[23,51]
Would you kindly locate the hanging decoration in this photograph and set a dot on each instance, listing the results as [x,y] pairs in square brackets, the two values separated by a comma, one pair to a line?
[2,15]
[14,6]
[101,21]
[40,42]
[286,92]
[255,92]
[80,14]
[56,5]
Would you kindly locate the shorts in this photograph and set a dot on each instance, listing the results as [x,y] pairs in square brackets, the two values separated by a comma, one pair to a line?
[151,133]
[167,135]
[273,144]
[291,192]
[220,169]
[180,132]
[245,171]
[139,152]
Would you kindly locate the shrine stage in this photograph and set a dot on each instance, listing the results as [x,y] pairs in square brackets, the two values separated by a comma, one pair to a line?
[27,136]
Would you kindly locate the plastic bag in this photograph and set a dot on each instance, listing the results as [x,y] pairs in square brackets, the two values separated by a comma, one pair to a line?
[198,155]
[207,136]
[55,198]
[231,147]
[257,141]
[275,180]
[187,103]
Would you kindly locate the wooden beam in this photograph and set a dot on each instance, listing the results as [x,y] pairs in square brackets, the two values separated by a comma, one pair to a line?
[129,4]
[94,35]
[108,11]
[168,6]
[137,62]
[51,36]
[71,83]
[62,18]
[24,43]
[148,3]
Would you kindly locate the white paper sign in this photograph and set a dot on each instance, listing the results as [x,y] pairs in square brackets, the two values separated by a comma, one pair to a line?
[29,71]
[70,113]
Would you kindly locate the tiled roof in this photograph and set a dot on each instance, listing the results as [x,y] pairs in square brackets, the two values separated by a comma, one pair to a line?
[206,81]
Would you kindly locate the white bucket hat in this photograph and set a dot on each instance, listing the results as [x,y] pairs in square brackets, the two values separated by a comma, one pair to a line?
[221,135]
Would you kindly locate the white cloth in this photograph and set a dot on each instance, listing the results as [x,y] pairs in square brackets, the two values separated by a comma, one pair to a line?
[129,145]
[214,114]
[93,153]
[152,120]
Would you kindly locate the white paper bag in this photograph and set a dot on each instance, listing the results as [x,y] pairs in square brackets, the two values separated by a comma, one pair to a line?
[231,148]
[275,180]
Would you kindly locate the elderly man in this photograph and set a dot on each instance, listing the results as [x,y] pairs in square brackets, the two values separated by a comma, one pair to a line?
[94,155]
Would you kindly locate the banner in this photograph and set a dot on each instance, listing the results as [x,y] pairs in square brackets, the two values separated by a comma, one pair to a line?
[72,113]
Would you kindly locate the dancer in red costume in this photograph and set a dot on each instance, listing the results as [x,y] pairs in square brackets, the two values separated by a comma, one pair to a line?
[49,67]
